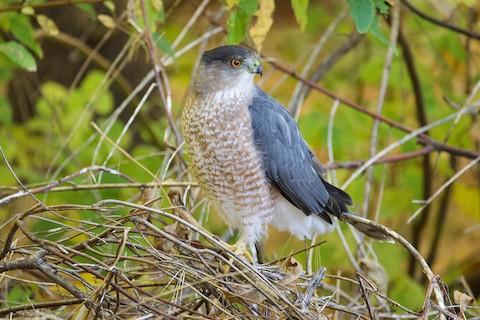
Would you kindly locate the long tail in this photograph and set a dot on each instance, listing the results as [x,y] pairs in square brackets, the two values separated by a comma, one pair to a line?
[339,200]
[338,203]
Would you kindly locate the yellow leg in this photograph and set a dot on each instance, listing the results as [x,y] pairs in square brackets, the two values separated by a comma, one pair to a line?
[240,249]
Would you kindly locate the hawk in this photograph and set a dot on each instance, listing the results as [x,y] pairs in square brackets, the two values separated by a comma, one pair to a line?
[248,155]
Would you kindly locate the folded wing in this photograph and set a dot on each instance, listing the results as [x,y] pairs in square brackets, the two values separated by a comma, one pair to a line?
[289,164]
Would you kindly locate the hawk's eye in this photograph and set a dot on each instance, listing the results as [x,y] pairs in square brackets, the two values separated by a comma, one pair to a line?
[235,63]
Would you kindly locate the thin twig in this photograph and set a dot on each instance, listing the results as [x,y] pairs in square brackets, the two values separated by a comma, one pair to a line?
[432,278]
[443,187]
[51,3]
[298,94]
[40,305]
[443,24]
[380,102]
[366,298]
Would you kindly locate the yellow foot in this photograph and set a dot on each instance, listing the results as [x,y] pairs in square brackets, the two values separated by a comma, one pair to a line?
[240,250]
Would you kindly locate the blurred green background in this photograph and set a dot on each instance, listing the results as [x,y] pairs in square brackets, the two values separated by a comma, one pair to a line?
[67,65]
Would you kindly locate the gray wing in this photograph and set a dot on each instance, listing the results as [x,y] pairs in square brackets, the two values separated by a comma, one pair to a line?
[289,164]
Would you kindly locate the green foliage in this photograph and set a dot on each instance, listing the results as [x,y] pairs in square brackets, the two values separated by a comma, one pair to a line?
[55,103]
[363,13]
[163,44]
[239,20]
[15,53]
[377,33]
[18,294]
[19,55]
[408,292]
[364,16]
[300,9]
[22,29]
[382,6]
[5,112]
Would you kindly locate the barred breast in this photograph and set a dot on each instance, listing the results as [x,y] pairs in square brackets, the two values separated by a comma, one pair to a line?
[225,162]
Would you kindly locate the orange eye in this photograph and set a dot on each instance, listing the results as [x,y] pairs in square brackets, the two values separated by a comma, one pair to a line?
[235,63]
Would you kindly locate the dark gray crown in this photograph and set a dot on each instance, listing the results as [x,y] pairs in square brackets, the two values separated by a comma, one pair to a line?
[226,53]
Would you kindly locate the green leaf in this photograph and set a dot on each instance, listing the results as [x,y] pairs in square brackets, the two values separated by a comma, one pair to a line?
[18,54]
[87,8]
[407,292]
[163,44]
[239,20]
[382,6]
[104,101]
[159,9]
[22,30]
[110,5]
[18,295]
[363,13]
[5,112]
[377,34]
[300,8]
[236,28]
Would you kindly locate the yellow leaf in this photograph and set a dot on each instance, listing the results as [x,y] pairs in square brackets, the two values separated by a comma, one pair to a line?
[29,11]
[90,278]
[293,270]
[157,5]
[81,312]
[231,3]
[47,25]
[106,20]
[264,22]
[462,299]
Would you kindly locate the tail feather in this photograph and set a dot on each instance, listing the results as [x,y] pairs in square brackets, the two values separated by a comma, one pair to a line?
[337,205]
[338,195]
[339,200]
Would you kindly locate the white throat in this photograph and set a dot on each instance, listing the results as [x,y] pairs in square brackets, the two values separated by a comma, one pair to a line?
[239,90]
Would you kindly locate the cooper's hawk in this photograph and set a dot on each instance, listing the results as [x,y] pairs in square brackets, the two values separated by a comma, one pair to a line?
[248,155]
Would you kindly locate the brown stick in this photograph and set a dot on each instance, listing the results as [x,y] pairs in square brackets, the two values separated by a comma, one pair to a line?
[37,262]
[39,305]
[51,3]
[440,23]
[427,172]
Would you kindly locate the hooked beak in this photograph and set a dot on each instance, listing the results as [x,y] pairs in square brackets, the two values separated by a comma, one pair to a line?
[256,68]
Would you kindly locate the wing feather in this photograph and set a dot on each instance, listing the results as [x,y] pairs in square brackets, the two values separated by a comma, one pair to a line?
[289,164]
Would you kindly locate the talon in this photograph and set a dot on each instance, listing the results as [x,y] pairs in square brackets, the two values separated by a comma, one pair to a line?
[241,251]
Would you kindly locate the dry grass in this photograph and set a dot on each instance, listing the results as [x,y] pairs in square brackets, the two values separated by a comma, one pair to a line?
[151,262]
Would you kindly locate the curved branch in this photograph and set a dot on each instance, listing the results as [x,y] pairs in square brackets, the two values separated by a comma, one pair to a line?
[438,22]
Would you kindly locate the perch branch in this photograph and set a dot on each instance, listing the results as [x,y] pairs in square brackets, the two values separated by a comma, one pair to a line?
[37,262]
[390,234]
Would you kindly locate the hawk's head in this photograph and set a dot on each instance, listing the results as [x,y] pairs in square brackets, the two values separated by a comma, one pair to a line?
[227,67]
